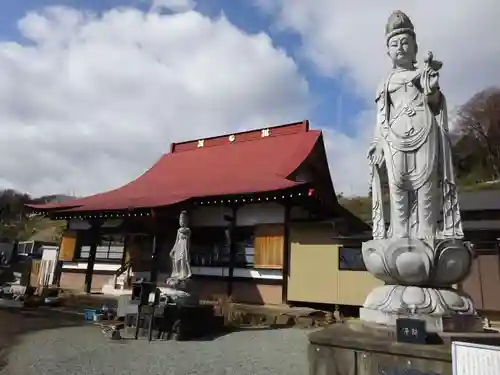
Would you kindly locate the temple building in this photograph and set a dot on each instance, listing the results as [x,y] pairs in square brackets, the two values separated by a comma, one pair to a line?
[260,203]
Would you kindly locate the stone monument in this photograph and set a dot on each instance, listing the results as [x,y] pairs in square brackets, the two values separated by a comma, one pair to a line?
[178,284]
[422,253]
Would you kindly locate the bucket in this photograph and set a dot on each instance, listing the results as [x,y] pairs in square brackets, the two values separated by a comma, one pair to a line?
[89,314]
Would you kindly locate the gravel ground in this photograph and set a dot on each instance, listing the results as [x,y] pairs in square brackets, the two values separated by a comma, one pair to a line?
[16,322]
[85,351]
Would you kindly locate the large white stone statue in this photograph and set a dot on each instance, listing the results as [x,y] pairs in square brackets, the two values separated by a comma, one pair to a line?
[421,254]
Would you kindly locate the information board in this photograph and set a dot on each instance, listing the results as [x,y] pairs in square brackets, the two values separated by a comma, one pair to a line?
[475,359]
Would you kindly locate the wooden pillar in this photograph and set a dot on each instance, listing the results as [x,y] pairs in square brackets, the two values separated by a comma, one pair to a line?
[232,251]
[153,270]
[153,265]
[286,252]
[124,256]
[95,237]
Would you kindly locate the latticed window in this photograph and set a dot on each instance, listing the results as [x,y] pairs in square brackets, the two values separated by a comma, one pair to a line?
[258,246]
[110,247]
[25,247]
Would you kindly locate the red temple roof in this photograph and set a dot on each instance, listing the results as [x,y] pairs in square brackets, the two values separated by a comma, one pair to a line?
[249,162]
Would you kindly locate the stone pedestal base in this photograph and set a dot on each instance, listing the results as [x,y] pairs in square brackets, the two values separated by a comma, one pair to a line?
[363,349]
[177,296]
[180,292]
[418,276]
[444,309]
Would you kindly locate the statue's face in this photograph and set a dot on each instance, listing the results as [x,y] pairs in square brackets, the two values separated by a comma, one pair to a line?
[402,50]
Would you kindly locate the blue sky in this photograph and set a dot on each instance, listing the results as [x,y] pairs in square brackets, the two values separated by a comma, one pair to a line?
[333,103]
[109,93]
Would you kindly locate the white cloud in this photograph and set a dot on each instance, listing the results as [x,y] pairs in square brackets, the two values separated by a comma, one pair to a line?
[93,101]
[173,5]
[347,156]
[345,39]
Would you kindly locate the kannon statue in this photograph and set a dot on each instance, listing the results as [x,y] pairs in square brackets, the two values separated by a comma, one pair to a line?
[421,254]
[181,269]
[178,288]
[411,141]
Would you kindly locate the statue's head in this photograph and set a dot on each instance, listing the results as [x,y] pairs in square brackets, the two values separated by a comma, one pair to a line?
[401,40]
[183,219]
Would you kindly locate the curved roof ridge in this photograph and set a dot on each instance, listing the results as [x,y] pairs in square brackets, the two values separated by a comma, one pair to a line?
[242,136]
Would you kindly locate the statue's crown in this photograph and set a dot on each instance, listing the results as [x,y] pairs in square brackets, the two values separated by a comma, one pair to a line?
[398,23]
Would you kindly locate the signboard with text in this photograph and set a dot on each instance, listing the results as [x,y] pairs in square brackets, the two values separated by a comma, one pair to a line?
[475,359]
[411,331]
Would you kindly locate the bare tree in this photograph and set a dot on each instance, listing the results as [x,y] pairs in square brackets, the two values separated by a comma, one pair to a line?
[478,124]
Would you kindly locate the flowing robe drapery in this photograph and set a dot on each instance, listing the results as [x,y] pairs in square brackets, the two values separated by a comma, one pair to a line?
[417,154]
[181,268]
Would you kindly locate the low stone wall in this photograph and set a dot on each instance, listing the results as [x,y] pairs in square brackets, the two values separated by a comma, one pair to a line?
[355,348]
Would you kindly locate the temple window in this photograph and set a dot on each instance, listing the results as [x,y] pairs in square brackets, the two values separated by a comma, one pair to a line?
[67,249]
[244,246]
[259,246]
[269,245]
[25,247]
[351,259]
[110,248]
[209,246]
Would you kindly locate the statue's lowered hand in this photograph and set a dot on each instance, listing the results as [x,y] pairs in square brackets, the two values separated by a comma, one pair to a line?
[375,155]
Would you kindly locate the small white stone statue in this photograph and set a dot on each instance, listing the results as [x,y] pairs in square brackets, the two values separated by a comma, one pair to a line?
[181,268]
[178,283]
[421,254]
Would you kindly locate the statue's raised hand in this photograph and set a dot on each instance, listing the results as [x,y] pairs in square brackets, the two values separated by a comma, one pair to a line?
[430,76]
[435,65]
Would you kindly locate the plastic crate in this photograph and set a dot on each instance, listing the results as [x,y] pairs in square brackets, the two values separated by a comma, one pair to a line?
[89,314]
